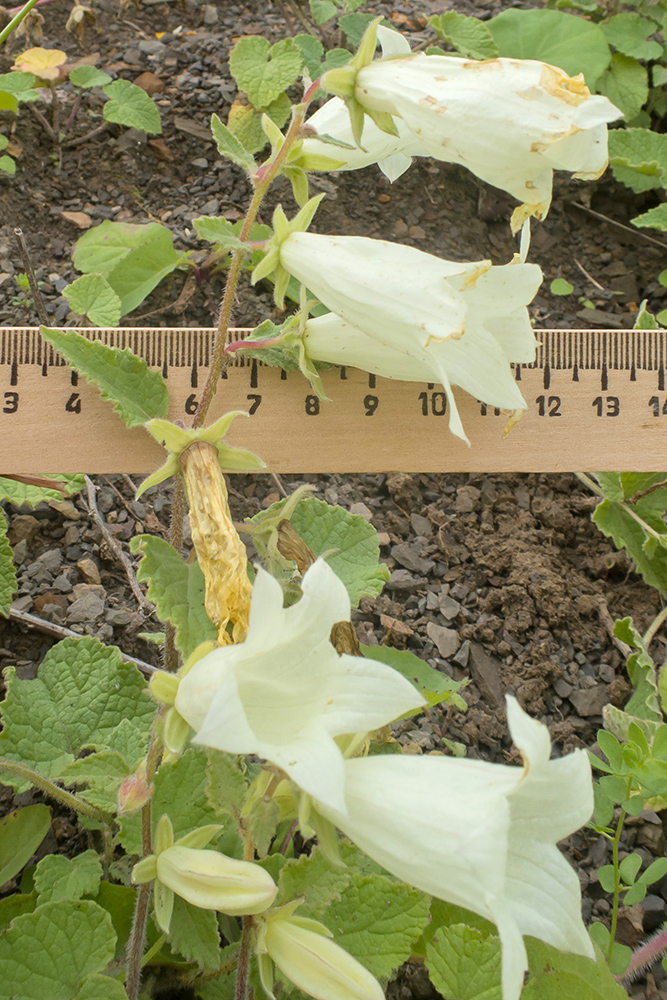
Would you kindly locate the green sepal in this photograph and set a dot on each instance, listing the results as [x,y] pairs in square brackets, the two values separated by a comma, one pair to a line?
[164,834]
[269,262]
[340,81]
[163,686]
[145,870]
[176,731]
[311,925]
[265,969]
[164,905]
[327,838]
[272,133]
[201,837]
[384,121]
[299,181]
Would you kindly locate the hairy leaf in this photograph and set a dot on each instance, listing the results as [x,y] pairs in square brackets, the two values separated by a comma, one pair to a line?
[92,296]
[138,394]
[245,121]
[193,933]
[230,147]
[20,493]
[58,877]
[468,35]
[89,76]
[625,83]
[558,975]
[265,71]
[8,584]
[130,105]
[177,590]
[102,988]
[655,218]
[82,692]
[464,962]
[50,952]
[638,157]
[629,33]
[20,85]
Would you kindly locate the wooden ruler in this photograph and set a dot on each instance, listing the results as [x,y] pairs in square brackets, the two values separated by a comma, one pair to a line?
[597,400]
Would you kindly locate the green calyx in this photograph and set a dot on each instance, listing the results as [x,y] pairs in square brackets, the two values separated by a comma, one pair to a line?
[342,81]
[282,230]
[176,439]
[263,528]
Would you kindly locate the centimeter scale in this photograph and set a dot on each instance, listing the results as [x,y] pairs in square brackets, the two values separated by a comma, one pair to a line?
[596,400]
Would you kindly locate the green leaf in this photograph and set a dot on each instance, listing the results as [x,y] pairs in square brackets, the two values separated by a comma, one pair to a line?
[638,157]
[644,320]
[245,121]
[558,975]
[354,26]
[606,877]
[655,871]
[613,520]
[102,988]
[21,833]
[180,792]
[464,962]
[96,768]
[81,693]
[322,10]
[58,877]
[629,33]
[219,231]
[316,879]
[20,85]
[655,218]
[559,286]
[644,703]
[230,147]
[468,35]
[92,296]
[262,823]
[324,527]
[138,393]
[8,583]
[611,748]
[119,902]
[625,83]
[89,76]
[7,165]
[437,688]
[312,52]
[377,921]
[20,493]
[629,868]
[193,933]
[572,43]
[102,248]
[177,590]
[50,952]
[130,105]
[265,71]
[227,784]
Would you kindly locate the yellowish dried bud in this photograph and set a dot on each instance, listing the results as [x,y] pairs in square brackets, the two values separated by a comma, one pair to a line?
[220,552]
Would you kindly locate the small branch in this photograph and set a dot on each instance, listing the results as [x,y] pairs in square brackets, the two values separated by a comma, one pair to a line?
[620,225]
[115,548]
[60,632]
[653,627]
[75,108]
[29,270]
[608,623]
[55,110]
[589,276]
[86,137]
[589,484]
[54,791]
[640,494]
[16,20]
[43,122]
[243,968]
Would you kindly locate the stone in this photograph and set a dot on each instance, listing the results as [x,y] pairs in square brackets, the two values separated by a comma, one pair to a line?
[361,510]
[62,583]
[485,671]
[461,658]
[407,554]
[590,701]
[421,525]
[562,688]
[82,589]
[401,579]
[50,560]
[449,608]
[446,639]
[118,616]
[210,13]
[86,609]
[88,570]
[466,499]
[23,526]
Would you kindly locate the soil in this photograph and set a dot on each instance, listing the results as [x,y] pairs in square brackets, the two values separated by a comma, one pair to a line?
[502,580]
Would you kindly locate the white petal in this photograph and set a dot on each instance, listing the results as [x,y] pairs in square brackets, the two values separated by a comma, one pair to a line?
[531,736]
[479,365]
[325,601]
[394,166]
[515,958]
[393,43]
[515,335]
[314,762]
[555,799]
[266,605]
[198,688]
[225,725]
[368,694]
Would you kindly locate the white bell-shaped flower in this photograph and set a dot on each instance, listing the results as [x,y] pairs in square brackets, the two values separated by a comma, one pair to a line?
[510,121]
[481,835]
[285,693]
[459,323]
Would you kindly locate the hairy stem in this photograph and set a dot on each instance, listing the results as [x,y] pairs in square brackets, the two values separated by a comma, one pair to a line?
[15,21]
[262,180]
[645,956]
[243,967]
[653,627]
[176,542]
[589,484]
[137,940]
[52,790]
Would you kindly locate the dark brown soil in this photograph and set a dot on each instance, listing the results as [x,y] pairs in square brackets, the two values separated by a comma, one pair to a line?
[499,579]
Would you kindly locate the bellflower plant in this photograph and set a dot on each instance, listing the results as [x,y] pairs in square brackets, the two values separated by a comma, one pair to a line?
[481,835]
[269,724]
[285,693]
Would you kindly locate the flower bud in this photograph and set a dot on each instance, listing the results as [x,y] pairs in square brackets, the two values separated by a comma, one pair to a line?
[213,881]
[134,792]
[306,955]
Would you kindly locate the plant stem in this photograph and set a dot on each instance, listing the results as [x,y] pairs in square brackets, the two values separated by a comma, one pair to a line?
[137,940]
[589,484]
[51,789]
[43,122]
[153,950]
[16,20]
[653,627]
[135,946]
[617,879]
[32,277]
[243,967]
[262,180]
